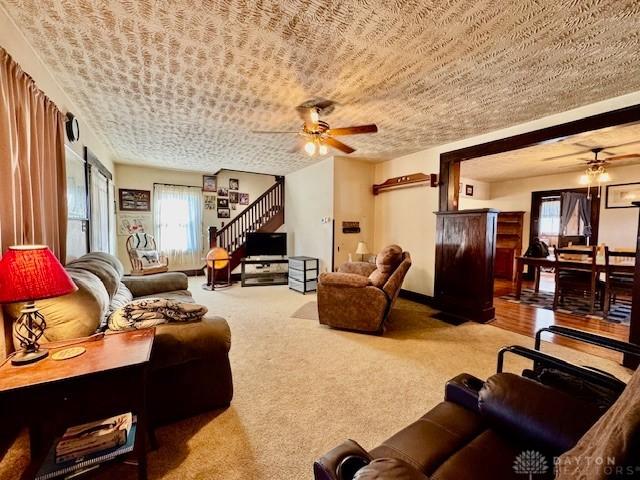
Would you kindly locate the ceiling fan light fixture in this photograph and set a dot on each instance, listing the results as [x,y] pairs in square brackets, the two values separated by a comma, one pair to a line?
[314,115]
[310,148]
[322,149]
[604,177]
[584,179]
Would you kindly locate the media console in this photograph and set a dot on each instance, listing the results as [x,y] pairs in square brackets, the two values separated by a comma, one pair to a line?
[264,275]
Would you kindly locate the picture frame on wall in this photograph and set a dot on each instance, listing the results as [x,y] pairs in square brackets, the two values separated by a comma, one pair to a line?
[134,200]
[223,192]
[209,202]
[234,184]
[233,197]
[243,198]
[209,183]
[621,195]
[224,213]
[223,203]
[468,190]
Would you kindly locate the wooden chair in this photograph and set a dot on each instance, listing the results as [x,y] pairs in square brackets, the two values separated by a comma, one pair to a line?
[575,277]
[617,280]
[144,256]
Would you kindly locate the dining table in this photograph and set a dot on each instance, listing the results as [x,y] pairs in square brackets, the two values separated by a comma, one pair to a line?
[537,263]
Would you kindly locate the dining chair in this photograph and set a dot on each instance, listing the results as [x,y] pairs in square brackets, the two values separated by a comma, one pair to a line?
[618,279]
[576,273]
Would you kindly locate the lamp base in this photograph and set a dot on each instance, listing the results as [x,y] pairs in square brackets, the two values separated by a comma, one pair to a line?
[24,358]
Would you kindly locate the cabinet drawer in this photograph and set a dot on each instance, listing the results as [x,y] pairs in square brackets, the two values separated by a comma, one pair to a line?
[300,286]
[299,274]
[303,264]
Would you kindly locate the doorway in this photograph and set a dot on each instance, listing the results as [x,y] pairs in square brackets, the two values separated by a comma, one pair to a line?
[546,219]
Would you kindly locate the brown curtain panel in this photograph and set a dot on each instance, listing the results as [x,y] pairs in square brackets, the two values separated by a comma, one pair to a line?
[33,203]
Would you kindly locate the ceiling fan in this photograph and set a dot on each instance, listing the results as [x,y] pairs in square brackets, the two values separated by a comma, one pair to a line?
[316,134]
[596,172]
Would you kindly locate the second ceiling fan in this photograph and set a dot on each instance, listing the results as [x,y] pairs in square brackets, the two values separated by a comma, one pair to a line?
[316,135]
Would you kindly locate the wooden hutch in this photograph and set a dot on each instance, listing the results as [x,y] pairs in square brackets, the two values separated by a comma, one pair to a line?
[508,243]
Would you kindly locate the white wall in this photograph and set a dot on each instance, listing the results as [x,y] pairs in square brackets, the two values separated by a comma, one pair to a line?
[143,178]
[618,226]
[481,191]
[353,201]
[308,199]
[406,215]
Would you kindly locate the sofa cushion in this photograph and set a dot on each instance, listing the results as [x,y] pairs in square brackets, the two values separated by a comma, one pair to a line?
[107,274]
[378,279]
[389,258]
[177,295]
[389,468]
[75,315]
[337,279]
[159,283]
[428,442]
[106,258]
[179,343]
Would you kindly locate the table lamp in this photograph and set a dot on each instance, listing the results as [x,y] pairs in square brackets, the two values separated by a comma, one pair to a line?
[362,250]
[29,273]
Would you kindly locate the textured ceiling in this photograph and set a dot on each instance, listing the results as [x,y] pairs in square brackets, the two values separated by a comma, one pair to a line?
[568,155]
[182,83]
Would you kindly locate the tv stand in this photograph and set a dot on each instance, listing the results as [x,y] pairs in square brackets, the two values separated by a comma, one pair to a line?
[262,278]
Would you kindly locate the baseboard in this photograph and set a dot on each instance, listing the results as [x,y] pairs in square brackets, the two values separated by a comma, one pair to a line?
[416,297]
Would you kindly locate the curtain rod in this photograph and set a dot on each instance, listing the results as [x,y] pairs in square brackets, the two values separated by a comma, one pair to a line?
[176,185]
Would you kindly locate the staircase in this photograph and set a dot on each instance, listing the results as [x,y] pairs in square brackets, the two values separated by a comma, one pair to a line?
[265,214]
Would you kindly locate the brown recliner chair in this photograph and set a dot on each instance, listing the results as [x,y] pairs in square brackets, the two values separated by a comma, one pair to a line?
[359,296]
[510,427]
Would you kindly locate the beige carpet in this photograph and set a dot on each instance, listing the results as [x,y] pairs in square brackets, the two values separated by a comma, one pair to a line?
[308,311]
[300,388]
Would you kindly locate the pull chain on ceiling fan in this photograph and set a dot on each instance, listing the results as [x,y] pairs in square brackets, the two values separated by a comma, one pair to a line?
[318,136]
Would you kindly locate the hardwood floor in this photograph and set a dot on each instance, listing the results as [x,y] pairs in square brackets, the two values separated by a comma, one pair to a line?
[526,320]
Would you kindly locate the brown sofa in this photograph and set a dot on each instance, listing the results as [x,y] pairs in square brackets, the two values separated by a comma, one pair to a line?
[359,296]
[510,426]
[190,370]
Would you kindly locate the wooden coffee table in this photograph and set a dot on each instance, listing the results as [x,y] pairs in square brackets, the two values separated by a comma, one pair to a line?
[108,379]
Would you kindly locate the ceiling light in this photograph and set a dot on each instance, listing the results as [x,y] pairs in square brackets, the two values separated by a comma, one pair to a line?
[314,115]
[322,150]
[310,148]
[584,179]
[604,177]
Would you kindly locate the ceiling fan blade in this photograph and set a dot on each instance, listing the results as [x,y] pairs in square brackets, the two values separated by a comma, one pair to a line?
[622,157]
[308,114]
[372,128]
[272,131]
[338,145]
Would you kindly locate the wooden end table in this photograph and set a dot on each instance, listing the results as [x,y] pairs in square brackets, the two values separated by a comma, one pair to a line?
[108,379]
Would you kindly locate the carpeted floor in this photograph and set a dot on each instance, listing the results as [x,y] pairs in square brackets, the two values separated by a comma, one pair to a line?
[300,388]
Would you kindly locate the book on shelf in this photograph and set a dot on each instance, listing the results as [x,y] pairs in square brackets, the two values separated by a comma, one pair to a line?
[81,440]
[51,469]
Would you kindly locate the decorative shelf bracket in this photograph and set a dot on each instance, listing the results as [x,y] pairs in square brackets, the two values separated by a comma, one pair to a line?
[405,180]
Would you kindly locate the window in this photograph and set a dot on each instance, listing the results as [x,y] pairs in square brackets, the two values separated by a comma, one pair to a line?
[549,217]
[178,223]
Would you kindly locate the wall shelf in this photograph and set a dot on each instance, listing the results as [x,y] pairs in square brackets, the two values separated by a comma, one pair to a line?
[414,179]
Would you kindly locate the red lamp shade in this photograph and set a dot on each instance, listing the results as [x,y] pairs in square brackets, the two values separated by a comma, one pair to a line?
[32,272]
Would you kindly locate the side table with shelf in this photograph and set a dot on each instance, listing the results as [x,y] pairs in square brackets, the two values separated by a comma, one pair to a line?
[303,274]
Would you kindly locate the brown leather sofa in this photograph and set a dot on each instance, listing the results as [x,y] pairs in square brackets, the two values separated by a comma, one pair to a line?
[190,370]
[506,428]
[359,296]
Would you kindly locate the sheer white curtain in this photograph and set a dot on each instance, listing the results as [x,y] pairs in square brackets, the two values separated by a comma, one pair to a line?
[177,215]
[100,232]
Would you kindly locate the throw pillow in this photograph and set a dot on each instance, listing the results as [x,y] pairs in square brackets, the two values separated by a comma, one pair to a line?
[149,258]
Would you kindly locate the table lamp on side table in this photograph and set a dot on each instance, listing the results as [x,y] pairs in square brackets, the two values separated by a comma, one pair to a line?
[362,250]
[29,273]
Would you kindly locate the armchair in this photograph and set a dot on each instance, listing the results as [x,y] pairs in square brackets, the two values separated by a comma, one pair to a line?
[482,427]
[144,256]
[359,296]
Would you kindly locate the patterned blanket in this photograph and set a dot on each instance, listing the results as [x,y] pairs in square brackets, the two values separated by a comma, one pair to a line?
[148,312]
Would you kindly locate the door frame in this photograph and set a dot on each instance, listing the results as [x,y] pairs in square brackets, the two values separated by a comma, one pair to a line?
[536,199]
[450,172]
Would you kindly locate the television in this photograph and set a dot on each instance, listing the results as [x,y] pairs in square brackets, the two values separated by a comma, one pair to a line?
[265,244]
